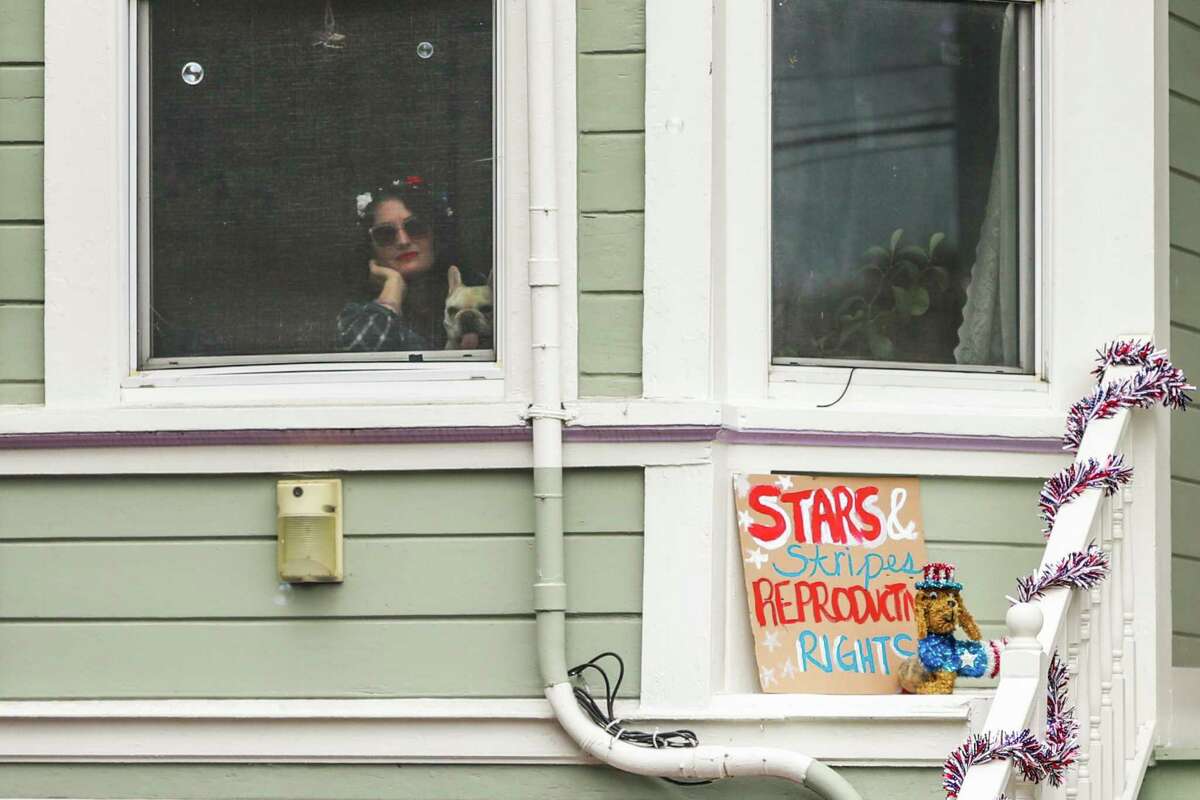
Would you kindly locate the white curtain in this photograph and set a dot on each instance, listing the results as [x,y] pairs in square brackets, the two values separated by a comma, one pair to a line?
[990,331]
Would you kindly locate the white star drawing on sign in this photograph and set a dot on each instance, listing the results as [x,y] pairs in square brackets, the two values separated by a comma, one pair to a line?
[771,640]
[789,669]
[784,482]
[744,519]
[741,485]
[967,657]
[766,676]
[757,557]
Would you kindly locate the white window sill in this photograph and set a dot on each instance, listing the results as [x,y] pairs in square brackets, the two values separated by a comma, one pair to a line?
[895,730]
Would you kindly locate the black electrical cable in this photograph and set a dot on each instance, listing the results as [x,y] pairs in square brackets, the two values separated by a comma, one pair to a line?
[845,389]
[606,718]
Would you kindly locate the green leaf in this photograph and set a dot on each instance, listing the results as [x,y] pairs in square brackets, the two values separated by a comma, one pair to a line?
[900,296]
[914,254]
[918,299]
[941,275]
[875,254]
[881,346]
[908,270]
[934,241]
[896,235]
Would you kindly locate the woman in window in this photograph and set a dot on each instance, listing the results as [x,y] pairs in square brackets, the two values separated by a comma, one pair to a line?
[407,228]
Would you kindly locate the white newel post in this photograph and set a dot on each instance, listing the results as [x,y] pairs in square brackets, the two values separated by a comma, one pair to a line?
[1022,678]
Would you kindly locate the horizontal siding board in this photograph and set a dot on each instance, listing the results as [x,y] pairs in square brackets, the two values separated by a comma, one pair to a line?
[612,169]
[610,333]
[1185,428]
[611,25]
[999,510]
[1185,212]
[157,781]
[1183,53]
[1188,9]
[21,120]
[482,502]
[21,108]
[20,182]
[333,658]
[21,347]
[612,252]
[22,258]
[1185,651]
[1185,518]
[612,92]
[446,576]
[22,25]
[1185,596]
[610,385]
[1185,287]
[1185,134]
[22,82]
[989,572]
[22,393]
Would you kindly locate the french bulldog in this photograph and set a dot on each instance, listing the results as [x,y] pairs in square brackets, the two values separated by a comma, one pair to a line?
[468,319]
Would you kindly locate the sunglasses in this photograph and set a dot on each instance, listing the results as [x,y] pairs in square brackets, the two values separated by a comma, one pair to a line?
[388,233]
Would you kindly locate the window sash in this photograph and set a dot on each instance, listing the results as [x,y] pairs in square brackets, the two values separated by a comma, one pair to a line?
[1027,267]
[142,208]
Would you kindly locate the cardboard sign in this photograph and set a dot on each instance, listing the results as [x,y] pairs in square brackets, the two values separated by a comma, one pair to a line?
[830,565]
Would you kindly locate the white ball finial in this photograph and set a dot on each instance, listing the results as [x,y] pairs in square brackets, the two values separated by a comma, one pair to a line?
[1024,621]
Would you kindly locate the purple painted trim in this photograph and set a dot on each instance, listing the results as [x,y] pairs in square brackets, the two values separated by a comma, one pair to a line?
[642,433]
[521,433]
[912,441]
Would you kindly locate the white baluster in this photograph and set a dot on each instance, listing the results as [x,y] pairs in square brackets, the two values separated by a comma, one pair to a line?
[1117,698]
[1096,762]
[1072,662]
[1129,665]
[1111,756]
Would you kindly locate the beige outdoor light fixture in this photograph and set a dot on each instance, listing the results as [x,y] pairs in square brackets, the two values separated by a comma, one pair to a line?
[310,531]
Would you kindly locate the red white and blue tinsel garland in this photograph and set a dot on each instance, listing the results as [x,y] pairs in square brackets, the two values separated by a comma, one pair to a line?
[1073,480]
[1157,381]
[1037,760]
[1082,569]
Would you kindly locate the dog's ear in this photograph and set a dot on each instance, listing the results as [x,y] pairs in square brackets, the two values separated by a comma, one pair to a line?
[455,279]
[968,622]
[922,618]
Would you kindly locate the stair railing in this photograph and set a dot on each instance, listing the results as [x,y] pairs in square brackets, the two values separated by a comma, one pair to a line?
[1093,633]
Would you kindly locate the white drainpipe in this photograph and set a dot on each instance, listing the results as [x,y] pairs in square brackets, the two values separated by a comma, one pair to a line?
[546,413]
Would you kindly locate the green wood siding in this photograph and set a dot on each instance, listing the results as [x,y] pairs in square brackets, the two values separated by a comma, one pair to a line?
[166,587]
[1171,780]
[21,134]
[1184,110]
[612,149]
[448,782]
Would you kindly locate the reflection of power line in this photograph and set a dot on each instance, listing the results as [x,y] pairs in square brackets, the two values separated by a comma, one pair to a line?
[831,138]
[785,73]
[779,164]
[947,112]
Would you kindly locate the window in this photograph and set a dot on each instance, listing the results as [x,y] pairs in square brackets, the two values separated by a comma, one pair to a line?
[901,184]
[316,181]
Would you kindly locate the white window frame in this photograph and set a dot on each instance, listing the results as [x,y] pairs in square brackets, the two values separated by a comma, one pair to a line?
[708,103]
[91,369]
[1102,257]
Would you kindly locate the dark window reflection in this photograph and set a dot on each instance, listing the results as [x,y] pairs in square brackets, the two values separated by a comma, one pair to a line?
[275,178]
[895,181]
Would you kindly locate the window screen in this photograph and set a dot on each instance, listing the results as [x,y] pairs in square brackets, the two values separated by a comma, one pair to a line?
[316,180]
[900,183]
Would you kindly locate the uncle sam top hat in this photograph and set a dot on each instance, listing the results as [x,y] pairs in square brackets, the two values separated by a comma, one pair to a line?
[939,575]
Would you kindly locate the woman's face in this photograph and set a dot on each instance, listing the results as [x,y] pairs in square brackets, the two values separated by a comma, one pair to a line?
[394,246]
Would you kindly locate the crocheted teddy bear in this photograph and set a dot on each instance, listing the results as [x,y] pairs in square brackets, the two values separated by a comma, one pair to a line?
[941,658]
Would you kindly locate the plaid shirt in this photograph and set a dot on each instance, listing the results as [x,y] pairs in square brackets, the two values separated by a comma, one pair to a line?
[368,327]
